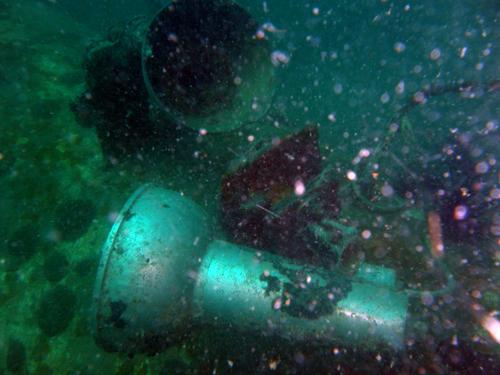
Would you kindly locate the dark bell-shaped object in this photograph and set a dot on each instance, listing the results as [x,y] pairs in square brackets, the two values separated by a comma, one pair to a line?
[204,67]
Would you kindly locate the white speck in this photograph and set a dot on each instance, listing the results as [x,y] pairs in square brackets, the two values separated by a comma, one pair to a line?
[279,58]
[237,81]
[387,190]
[277,303]
[299,188]
[463,51]
[260,34]
[315,11]
[351,175]
[435,54]
[378,357]
[332,117]
[479,66]
[203,131]
[337,88]
[251,138]
[364,153]
[385,98]
[308,279]
[400,87]
[399,47]
[460,212]
[230,363]
[366,234]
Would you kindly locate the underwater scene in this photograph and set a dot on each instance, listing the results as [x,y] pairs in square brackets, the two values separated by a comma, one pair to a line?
[249,187]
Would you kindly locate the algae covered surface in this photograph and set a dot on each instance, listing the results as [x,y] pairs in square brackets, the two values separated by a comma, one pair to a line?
[404,98]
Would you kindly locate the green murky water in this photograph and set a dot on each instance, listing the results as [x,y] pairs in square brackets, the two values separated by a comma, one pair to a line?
[403,99]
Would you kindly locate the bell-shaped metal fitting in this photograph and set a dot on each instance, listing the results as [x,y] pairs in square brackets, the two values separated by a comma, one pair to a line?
[204,66]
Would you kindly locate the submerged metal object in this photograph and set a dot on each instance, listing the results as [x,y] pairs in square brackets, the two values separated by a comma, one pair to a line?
[143,286]
[203,65]
[159,276]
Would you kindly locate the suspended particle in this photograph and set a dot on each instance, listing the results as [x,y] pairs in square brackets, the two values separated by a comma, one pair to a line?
[299,188]
[399,47]
[427,299]
[482,167]
[277,303]
[435,54]
[400,88]
[364,153]
[366,234]
[332,117]
[495,193]
[351,175]
[385,98]
[462,52]
[387,190]
[460,212]
[279,58]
